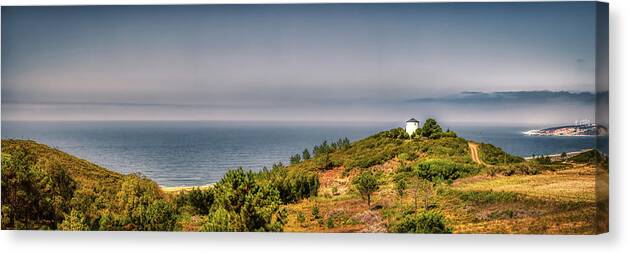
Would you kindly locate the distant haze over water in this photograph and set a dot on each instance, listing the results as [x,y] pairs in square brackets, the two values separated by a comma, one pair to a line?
[196,153]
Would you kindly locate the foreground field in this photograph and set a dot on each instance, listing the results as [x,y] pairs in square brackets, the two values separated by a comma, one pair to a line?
[552,202]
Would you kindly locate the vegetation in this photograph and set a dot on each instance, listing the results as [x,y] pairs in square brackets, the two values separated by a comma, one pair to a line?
[243,204]
[366,183]
[43,188]
[592,157]
[427,222]
[493,155]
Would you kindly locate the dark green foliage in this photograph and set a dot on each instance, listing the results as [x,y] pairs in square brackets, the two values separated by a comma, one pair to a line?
[292,185]
[133,203]
[86,197]
[243,204]
[160,216]
[294,159]
[315,212]
[330,222]
[20,192]
[323,148]
[397,133]
[306,154]
[493,155]
[36,193]
[437,170]
[366,183]
[431,129]
[426,222]
[326,148]
[199,200]
[447,134]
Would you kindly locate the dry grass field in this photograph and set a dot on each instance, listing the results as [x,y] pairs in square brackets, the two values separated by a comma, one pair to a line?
[552,202]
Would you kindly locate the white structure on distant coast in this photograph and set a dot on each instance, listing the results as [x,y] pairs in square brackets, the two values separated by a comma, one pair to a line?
[411,126]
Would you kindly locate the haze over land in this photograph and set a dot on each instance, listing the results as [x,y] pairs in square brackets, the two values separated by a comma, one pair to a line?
[297,62]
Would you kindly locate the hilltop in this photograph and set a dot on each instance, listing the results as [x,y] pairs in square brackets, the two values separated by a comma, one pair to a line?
[475,187]
[432,182]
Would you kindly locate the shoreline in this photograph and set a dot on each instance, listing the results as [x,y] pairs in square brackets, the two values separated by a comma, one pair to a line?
[184,188]
[569,154]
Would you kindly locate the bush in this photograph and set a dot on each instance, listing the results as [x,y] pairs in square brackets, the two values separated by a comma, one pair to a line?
[243,204]
[300,217]
[397,133]
[427,222]
[199,200]
[294,184]
[160,216]
[315,212]
[330,222]
[436,170]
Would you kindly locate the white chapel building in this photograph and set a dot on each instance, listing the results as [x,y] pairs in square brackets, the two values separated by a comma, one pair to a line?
[411,126]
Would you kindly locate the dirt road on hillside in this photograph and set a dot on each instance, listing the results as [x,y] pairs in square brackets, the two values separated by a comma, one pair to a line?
[475,154]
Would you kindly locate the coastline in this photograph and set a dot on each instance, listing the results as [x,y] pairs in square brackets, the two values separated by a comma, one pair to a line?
[184,188]
[569,154]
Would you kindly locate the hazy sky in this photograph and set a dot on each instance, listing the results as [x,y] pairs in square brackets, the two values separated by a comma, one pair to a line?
[290,62]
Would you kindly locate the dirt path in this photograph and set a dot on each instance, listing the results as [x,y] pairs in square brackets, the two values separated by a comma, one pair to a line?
[475,155]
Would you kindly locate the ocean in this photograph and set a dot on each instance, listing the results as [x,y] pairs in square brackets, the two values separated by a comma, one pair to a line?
[198,153]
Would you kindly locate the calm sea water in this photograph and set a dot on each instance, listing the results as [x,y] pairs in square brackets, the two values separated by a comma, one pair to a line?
[195,153]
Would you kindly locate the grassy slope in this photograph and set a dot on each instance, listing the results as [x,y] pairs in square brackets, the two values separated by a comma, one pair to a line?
[557,199]
[89,176]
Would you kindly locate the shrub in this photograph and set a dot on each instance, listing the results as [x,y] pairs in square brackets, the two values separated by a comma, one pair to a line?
[315,212]
[300,217]
[436,170]
[397,133]
[243,204]
[400,187]
[293,184]
[330,222]
[199,200]
[427,222]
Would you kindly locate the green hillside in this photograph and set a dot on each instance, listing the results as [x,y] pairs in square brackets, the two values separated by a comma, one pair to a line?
[430,182]
[44,188]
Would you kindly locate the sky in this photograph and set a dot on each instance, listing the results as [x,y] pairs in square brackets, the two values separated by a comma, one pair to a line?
[329,62]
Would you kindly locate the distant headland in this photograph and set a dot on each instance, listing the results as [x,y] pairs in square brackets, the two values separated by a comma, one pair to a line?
[581,129]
